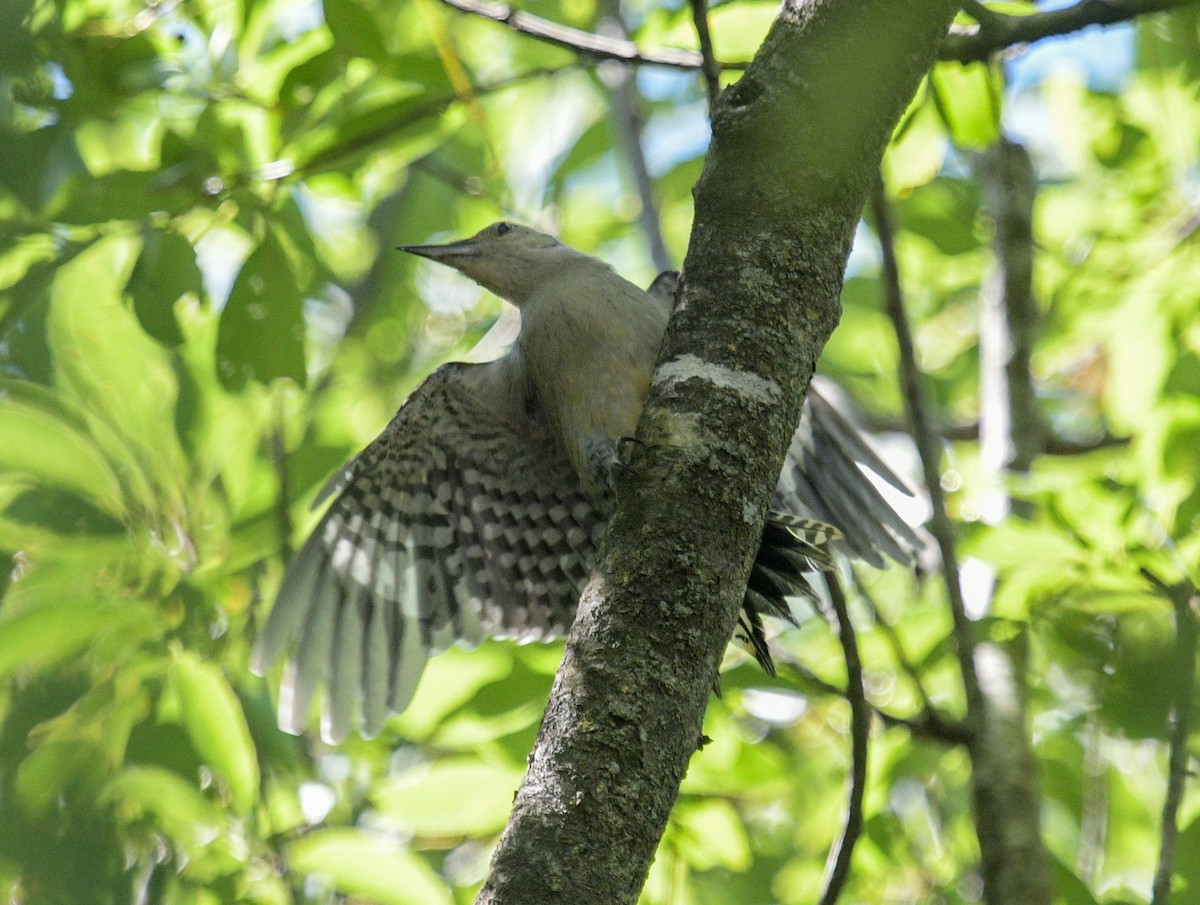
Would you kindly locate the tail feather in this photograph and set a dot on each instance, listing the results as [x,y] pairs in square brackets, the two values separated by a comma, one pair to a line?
[790,547]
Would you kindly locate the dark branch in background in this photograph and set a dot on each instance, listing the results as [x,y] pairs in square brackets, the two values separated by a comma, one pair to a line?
[1010,425]
[598,46]
[709,65]
[992,32]
[837,868]
[928,446]
[1185,599]
[1010,429]
[927,725]
[1007,799]
[1052,444]
[627,120]
[995,31]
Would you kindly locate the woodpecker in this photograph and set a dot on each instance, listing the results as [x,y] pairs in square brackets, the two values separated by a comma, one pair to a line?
[480,508]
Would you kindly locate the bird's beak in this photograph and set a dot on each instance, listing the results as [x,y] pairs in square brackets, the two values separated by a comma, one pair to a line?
[443,253]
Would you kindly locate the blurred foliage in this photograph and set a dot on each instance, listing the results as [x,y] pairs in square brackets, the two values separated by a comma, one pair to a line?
[201,317]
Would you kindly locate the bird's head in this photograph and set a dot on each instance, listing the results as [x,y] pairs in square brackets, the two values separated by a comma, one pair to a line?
[506,258]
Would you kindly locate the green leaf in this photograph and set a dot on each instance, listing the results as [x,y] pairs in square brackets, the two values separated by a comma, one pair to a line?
[123,195]
[356,29]
[738,29]
[117,376]
[262,327]
[216,724]
[42,437]
[166,270]
[182,812]
[915,155]
[968,99]
[709,833]
[57,770]
[451,797]
[50,632]
[944,212]
[368,866]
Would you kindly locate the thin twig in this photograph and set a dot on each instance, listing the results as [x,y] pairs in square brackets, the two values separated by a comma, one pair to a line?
[598,46]
[1185,599]
[837,868]
[628,123]
[283,515]
[708,65]
[925,725]
[929,448]
[968,431]
[966,44]
[997,31]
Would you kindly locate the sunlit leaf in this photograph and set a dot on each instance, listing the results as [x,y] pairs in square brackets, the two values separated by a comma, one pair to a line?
[739,28]
[60,768]
[709,834]
[42,438]
[177,806]
[213,718]
[262,327]
[451,797]
[968,98]
[117,376]
[48,633]
[359,863]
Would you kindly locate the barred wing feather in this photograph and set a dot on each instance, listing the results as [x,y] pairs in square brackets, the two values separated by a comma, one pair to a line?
[436,533]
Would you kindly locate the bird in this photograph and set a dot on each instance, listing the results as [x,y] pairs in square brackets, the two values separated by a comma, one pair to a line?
[480,508]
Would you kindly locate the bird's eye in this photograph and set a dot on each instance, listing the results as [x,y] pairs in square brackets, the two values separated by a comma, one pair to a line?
[502,228]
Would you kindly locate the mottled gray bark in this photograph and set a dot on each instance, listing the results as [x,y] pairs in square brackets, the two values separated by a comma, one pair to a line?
[1010,426]
[796,144]
[1005,787]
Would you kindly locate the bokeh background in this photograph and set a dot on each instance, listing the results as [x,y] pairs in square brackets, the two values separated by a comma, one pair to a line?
[201,317]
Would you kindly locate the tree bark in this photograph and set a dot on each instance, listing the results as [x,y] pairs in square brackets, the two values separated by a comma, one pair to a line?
[795,146]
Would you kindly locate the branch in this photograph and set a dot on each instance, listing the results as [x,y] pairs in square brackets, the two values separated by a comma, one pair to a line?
[709,65]
[1010,424]
[585,42]
[928,447]
[928,724]
[779,199]
[1005,788]
[992,32]
[837,868]
[1185,599]
[1003,769]
[1053,444]
[995,31]
[628,125]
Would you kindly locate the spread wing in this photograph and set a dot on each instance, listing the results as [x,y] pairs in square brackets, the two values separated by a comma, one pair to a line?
[825,477]
[462,520]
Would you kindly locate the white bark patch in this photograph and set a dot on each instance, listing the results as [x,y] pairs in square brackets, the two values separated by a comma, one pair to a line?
[691,367]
